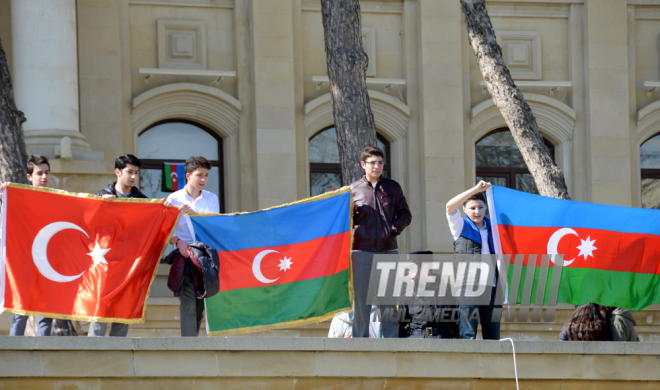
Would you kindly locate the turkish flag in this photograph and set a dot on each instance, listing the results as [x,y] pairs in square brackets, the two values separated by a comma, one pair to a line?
[75,256]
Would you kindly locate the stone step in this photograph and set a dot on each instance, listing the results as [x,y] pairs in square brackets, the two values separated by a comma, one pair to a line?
[162,320]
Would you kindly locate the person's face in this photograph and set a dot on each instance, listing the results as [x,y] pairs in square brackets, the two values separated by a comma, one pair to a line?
[475,210]
[198,178]
[40,175]
[128,176]
[373,166]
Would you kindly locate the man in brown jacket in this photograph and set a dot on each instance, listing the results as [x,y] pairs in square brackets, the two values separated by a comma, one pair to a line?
[380,214]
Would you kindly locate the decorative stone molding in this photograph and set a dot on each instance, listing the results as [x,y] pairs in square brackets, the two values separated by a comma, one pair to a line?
[228,4]
[559,10]
[208,106]
[646,13]
[374,7]
[369,45]
[522,53]
[181,44]
[390,115]
[555,119]
[648,122]
[205,105]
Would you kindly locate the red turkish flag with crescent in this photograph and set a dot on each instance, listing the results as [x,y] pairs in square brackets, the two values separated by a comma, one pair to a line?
[76,256]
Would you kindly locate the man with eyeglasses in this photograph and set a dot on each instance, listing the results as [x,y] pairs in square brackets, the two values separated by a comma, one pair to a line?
[380,214]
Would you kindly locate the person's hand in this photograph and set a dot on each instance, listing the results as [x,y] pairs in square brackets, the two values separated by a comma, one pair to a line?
[186,209]
[2,188]
[166,203]
[482,186]
[183,247]
[108,198]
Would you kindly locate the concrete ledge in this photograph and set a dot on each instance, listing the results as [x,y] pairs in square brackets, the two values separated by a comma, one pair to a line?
[321,359]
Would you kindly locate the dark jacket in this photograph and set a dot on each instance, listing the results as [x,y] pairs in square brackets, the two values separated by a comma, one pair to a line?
[203,264]
[622,325]
[110,190]
[379,214]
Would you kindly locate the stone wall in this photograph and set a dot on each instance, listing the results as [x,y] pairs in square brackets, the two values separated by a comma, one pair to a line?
[248,363]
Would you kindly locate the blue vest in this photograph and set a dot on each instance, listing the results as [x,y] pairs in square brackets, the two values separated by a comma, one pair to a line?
[469,241]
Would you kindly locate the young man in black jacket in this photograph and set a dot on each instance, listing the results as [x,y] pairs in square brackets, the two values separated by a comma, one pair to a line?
[127,169]
[380,214]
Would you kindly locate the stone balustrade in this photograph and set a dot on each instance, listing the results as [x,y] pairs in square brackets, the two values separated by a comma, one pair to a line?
[302,363]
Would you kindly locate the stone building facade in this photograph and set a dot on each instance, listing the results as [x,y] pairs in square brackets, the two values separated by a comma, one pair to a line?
[244,83]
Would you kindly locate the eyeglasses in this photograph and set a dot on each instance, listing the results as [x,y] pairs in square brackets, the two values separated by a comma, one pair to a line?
[376,163]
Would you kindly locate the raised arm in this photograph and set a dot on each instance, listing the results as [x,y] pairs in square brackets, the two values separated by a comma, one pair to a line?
[458,200]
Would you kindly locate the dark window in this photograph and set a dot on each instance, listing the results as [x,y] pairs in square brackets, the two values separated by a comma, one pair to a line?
[649,161]
[499,161]
[176,141]
[324,167]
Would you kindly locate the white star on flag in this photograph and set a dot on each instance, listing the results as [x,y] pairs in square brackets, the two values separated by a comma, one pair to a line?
[285,264]
[587,248]
[98,255]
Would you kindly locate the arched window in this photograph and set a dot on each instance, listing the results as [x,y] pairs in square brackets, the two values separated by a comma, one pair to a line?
[176,141]
[649,161]
[500,162]
[324,167]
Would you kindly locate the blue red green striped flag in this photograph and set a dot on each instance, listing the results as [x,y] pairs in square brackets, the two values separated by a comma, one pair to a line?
[280,267]
[174,176]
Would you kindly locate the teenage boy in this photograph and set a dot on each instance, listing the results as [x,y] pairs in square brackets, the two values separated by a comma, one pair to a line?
[38,173]
[473,235]
[380,214]
[192,198]
[127,169]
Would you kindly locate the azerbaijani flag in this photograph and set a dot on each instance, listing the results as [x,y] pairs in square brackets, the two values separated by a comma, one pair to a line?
[280,267]
[174,176]
[611,253]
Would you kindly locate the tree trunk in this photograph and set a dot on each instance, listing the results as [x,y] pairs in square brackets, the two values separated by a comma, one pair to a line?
[13,158]
[13,154]
[347,66]
[548,177]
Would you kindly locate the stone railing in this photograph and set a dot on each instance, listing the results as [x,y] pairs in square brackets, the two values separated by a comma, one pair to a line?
[245,362]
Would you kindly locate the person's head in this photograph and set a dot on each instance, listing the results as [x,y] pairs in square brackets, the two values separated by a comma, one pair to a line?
[475,208]
[127,169]
[38,170]
[588,324]
[197,172]
[372,161]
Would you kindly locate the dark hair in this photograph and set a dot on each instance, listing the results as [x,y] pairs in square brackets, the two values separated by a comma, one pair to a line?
[371,151]
[587,324]
[197,162]
[122,161]
[35,160]
[478,196]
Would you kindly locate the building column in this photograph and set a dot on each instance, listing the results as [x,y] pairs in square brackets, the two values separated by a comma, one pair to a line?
[274,101]
[45,79]
[607,101]
[441,115]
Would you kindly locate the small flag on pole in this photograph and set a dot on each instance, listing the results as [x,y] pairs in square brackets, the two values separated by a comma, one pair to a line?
[174,176]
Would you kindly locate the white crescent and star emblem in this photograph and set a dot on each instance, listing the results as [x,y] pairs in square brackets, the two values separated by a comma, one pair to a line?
[174,176]
[586,247]
[256,266]
[40,250]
